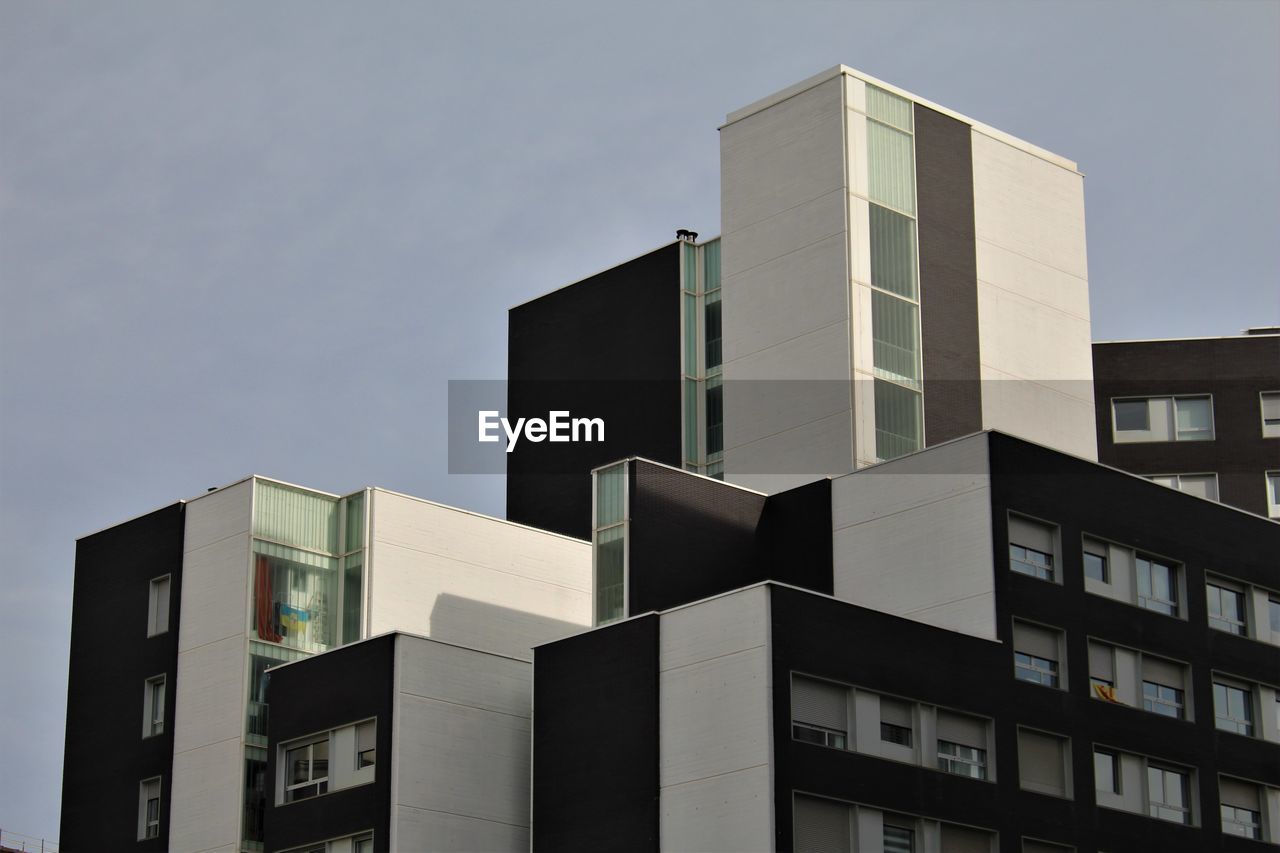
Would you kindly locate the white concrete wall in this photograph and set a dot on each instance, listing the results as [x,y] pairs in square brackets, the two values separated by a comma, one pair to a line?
[785,276]
[1033,297]
[883,558]
[208,726]
[715,706]
[460,772]
[469,579]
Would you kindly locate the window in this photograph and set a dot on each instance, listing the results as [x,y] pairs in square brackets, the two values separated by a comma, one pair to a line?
[1044,763]
[153,706]
[819,712]
[1241,808]
[1162,419]
[1031,547]
[1168,794]
[1157,585]
[1270,414]
[366,744]
[1232,708]
[895,722]
[158,606]
[1273,494]
[149,809]
[1201,485]
[1106,771]
[819,825]
[1035,654]
[963,839]
[1162,699]
[307,766]
[1102,672]
[898,839]
[1095,560]
[1273,611]
[1226,607]
[962,742]
[610,551]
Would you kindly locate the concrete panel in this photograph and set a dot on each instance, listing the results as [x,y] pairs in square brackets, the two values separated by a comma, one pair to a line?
[731,813]
[215,592]
[711,629]
[793,294]
[783,156]
[449,673]
[792,457]
[217,515]
[1034,341]
[462,760]
[1047,413]
[421,829]
[205,809]
[209,698]
[882,561]
[1029,206]
[786,231]
[1032,280]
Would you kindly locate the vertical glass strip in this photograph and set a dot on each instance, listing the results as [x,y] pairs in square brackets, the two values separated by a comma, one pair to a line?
[892,178]
[897,420]
[610,573]
[689,267]
[711,265]
[893,252]
[895,342]
[889,108]
[352,596]
[715,416]
[353,532]
[304,519]
[611,484]
[714,334]
[690,334]
[691,421]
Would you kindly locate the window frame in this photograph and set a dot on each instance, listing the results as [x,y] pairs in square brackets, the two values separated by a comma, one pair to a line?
[1174,604]
[948,761]
[1214,586]
[1050,570]
[1177,483]
[148,827]
[1156,699]
[153,725]
[321,783]
[1117,777]
[1262,414]
[1234,724]
[154,627]
[1272,482]
[1155,806]
[1171,413]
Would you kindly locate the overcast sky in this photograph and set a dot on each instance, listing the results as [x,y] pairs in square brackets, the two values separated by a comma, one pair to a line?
[260,237]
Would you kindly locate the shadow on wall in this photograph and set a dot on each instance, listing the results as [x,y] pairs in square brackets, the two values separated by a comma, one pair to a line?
[492,628]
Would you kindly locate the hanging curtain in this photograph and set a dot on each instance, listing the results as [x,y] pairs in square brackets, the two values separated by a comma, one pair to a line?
[262,599]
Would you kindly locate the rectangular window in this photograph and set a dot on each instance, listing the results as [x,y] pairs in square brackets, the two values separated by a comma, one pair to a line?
[1106,771]
[898,839]
[1201,485]
[1270,414]
[1168,794]
[1226,608]
[1031,547]
[1095,561]
[1148,419]
[158,606]
[893,733]
[366,743]
[1035,654]
[1273,494]
[1102,672]
[1157,585]
[153,706]
[1232,708]
[610,551]
[1193,417]
[307,769]
[895,721]
[149,808]
[1162,699]
[819,712]
[962,760]
[820,825]
[1043,763]
[897,419]
[1241,808]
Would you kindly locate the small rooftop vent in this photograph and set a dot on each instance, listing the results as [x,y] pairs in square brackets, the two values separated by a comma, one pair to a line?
[687,236]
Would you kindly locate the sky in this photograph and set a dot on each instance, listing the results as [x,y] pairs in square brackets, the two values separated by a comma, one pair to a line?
[260,238]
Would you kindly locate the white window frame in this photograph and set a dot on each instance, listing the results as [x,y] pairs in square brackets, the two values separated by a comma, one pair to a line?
[155,627]
[1175,582]
[1116,776]
[1269,430]
[153,716]
[948,762]
[321,783]
[1154,806]
[1227,626]
[1177,483]
[1178,703]
[1272,481]
[1252,694]
[1148,435]
[148,827]
[1051,570]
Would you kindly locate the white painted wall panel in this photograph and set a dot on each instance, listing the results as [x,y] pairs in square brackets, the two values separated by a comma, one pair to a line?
[715,706]
[209,703]
[205,805]
[784,232]
[217,515]
[729,814]
[420,829]
[1033,298]
[462,764]
[215,592]
[794,456]
[473,580]
[882,561]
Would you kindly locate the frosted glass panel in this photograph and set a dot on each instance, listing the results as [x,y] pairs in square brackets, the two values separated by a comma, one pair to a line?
[895,340]
[611,484]
[897,420]
[889,108]
[711,265]
[610,560]
[893,251]
[305,519]
[353,535]
[892,167]
[295,597]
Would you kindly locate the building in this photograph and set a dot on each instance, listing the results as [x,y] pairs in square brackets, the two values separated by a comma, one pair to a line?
[994,646]
[167,728]
[891,275]
[1198,414]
